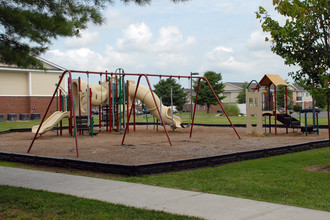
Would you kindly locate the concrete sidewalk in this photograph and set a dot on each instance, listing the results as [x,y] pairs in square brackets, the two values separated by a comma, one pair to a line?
[208,206]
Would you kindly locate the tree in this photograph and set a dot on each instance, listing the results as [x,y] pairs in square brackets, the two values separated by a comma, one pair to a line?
[205,95]
[303,40]
[27,27]
[241,95]
[163,90]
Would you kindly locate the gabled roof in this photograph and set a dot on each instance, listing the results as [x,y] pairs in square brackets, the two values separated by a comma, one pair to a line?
[274,79]
[297,87]
[239,85]
[49,66]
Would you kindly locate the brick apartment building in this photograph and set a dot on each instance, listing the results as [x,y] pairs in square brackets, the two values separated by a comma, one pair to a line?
[26,92]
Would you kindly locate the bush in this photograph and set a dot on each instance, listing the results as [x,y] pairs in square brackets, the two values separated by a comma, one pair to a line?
[297,108]
[232,109]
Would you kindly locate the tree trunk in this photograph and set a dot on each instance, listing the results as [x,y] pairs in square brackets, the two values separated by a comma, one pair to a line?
[208,109]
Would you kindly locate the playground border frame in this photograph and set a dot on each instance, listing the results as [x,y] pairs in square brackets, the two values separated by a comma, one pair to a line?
[161,167]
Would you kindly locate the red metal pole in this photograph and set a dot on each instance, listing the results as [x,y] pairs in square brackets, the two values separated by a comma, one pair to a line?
[90,107]
[155,105]
[221,106]
[110,107]
[117,100]
[127,101]
[161,118]
[133,115]
[286,105]
[43,118]
[70,107]
[275,112]
[79,90]
[136,89]
[100,122]
[193,118]
[74,115]
[61,124]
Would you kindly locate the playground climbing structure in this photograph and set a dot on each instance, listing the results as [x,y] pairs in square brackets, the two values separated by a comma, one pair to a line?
[262,101]
[115,99]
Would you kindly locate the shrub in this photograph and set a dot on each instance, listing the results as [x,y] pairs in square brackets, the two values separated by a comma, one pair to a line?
[232,109]
[297,108]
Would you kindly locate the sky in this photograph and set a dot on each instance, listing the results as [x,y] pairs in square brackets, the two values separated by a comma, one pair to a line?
[223,36]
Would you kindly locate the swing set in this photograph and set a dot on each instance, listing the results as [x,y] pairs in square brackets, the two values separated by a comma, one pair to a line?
[116,103]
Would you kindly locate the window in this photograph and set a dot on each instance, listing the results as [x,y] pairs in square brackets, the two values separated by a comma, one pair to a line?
[250,102]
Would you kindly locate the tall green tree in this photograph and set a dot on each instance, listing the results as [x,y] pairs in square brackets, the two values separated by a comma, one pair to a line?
[303,40]
[205,95]
[242,94]
[28,27]
[163,90]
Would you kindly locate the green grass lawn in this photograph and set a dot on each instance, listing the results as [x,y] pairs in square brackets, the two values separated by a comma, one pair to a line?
[20,203]
[280,179]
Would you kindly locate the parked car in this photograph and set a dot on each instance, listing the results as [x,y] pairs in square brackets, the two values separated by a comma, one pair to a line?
[318,110]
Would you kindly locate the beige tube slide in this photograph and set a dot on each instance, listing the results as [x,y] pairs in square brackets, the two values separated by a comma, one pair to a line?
[52,121]
[145,95]
[99,95]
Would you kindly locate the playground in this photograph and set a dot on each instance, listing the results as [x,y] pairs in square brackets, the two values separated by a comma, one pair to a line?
[112,140]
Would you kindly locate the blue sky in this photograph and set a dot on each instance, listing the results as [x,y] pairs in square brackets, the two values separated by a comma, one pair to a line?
[166,38]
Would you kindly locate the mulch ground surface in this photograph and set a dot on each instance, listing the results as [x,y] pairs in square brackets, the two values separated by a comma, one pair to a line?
[149,146]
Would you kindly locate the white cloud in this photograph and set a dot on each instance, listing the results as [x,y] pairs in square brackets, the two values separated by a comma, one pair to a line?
[115,20]
[219,54]
[85,40]
[137,49]
[257,41]
[79,59]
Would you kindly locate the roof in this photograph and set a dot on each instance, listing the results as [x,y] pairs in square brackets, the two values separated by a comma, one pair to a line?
[49,66]
[274,79]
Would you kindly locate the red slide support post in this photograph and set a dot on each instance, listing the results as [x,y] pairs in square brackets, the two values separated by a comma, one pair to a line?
[157,107]
[209,85]
[47,110]
[137,86]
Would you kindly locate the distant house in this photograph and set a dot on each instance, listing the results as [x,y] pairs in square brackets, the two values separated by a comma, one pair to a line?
[301,96]
[231,91]
[27,90]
